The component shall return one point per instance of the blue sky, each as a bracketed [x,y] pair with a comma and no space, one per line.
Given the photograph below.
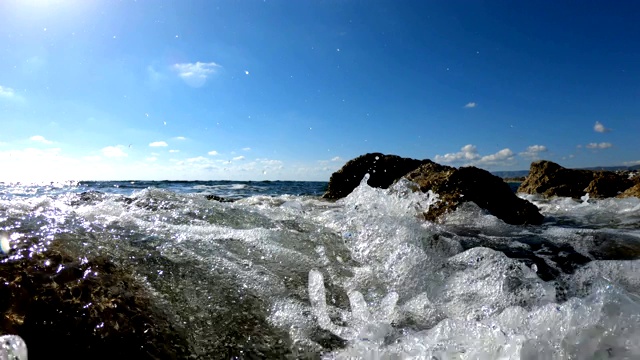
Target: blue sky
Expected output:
[290,90]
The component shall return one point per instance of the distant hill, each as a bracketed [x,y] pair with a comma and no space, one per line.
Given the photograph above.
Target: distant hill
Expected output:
[520,173]
[511,174]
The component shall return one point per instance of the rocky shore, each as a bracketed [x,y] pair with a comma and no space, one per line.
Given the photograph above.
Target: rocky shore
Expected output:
[65,301]
[550,179]
[456,186]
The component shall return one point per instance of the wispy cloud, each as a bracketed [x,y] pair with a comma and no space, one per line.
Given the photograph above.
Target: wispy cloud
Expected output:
[337,158]
[599,127]
[533,151]
[114,151]
[213,153]
[180,138]
[238,158]
[196,74]
[199,159]
[270,162]
[632,163]
[470,105]
[246,149]
[9,94]
[40,139]
[174,151]
[154,75]
[602,145]
[468,155]
[158,144]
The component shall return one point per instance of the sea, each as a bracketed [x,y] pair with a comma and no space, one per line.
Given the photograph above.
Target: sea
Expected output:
[271,270]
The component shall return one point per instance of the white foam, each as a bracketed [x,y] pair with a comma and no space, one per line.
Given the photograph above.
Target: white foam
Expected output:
[606,324]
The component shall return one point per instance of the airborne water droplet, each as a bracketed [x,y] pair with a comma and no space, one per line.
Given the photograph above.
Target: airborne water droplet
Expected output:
[5,245]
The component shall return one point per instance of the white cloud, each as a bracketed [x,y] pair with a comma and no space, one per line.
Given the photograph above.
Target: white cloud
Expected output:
[470,105]
[246,149]
[152,158]
[598,127]
[602,145]
[632,163]
[114,151]
[238,158]
[199,159]
[9,94]
[40,139]
[154,75]
[180,138]
[195,74]
[502,157]
[6,92]
[158,144]
[337,158]
[174,151]
[270,162]
[533,151]
[468,155]
[213,153]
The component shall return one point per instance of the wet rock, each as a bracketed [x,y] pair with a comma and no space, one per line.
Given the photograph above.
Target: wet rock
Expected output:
[218,198]
[457,186]
[88,198]
[550,179]
[382,169]
[630,192]
[83,309]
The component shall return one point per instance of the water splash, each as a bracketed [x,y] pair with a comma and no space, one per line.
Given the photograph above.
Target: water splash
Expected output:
[368,325]
[12,347]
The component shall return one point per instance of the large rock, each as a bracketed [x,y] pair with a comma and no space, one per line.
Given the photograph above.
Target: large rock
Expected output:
[456,186]
[550,179]
[630,192]
[84,309]
[382,169]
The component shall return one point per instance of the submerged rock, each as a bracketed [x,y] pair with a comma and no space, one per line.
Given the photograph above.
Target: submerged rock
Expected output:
[83,309]
[382,169]
[457,186]
[550,179]
[218,198]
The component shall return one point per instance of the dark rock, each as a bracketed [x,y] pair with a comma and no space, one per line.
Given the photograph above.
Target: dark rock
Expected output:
[607,184]
[550,179]
[87,198]
[382,169]
[456,186]
[217,198]
[89,309]
[630,192]
[634,190]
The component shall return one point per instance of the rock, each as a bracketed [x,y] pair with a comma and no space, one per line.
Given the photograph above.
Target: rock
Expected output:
[550,179]
[382,169]
[218,198]
[456,186]
[84,309]
[630,192]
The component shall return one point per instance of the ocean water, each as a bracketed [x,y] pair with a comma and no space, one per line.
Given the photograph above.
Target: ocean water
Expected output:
[281,273]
